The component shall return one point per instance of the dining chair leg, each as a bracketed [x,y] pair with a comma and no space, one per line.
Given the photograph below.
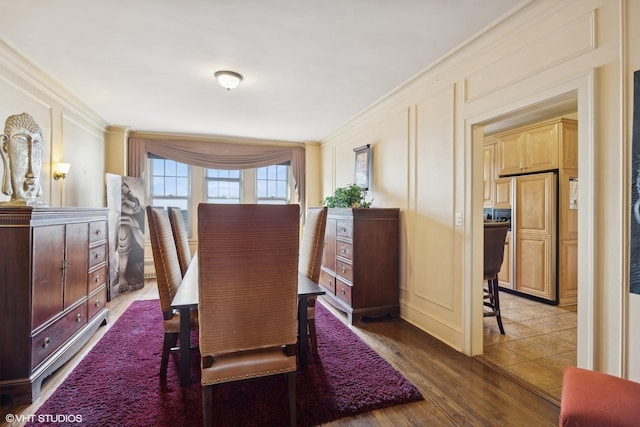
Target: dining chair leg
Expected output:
[207,405]
[170,341]
[291,383]
[495,297]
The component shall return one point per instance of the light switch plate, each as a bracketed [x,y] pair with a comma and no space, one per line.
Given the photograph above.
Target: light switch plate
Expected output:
[458,219]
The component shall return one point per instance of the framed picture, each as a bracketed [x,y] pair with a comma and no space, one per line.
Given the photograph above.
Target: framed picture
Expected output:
[363,166]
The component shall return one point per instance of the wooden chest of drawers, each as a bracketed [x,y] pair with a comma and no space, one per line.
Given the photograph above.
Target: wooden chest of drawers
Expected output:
[53,277]
[360,261]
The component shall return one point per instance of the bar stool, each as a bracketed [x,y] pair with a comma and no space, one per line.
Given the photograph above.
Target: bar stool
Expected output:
[495,234]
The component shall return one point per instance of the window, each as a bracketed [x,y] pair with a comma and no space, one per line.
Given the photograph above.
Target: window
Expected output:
[222,186]
[169,184]
[272,184]
[177,184]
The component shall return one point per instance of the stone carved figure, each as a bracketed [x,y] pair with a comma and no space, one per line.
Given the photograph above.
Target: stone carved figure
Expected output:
[22,151]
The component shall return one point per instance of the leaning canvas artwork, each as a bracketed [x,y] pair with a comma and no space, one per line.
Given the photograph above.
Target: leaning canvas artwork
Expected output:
[125,199]
[634,262]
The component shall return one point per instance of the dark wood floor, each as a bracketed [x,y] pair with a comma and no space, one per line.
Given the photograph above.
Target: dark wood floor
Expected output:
[458,390]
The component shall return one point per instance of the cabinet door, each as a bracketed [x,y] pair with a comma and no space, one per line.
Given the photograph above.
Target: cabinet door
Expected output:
[489,173]
[502,193]
[504,276]
[47,272]
[541,148]
[329,250]
[510,154]
[535,236]
[77,256]
[568,286]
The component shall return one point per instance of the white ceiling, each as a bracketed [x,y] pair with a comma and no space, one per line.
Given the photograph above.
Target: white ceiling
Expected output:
[308,66]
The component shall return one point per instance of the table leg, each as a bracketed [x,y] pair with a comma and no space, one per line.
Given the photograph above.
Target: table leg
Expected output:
[302,330]
[185,345]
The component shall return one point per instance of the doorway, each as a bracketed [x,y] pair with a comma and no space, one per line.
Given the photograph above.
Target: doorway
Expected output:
[575,348]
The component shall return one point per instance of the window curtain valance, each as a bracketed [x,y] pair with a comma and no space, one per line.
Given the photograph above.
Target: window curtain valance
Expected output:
[218,155]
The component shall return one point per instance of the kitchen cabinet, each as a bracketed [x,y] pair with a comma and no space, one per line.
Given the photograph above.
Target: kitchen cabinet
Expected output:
[53,277]
[502,193]
[568,238]
[541,147]
[360,262]
[504,276]
[489,154]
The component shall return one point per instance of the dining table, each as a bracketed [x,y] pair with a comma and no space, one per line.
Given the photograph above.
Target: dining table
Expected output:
[186,299]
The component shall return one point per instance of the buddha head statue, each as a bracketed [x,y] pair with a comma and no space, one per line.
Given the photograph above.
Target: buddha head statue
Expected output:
[22,151]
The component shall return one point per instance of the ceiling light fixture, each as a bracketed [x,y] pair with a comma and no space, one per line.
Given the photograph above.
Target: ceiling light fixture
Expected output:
[228,79]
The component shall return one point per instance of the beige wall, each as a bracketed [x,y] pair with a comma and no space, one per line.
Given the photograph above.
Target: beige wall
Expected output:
[71,132]
[426,140]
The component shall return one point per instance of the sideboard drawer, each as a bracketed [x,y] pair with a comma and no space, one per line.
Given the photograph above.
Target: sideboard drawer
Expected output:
[97,231]
[328,281]
[343,290]
[344,249]
[97,255]
[96,302]
[344,229]
[48,340]
[97,278]
[344,270]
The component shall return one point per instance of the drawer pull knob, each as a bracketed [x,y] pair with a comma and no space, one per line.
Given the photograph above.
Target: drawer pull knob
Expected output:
[97,303]
[344,230]
[342,291]
[46,342]
[97,278]
[344,250]
[344,270]
[79,317]
[99,231]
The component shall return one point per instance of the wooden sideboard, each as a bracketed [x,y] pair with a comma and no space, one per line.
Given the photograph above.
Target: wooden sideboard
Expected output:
[360,262]
[53,291]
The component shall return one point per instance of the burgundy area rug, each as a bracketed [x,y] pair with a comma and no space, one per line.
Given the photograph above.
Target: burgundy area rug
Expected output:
[118,383]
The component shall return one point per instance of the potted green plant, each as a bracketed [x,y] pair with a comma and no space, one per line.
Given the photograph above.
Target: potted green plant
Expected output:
[350,196]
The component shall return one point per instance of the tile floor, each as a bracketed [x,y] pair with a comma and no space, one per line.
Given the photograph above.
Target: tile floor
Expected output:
[539,342]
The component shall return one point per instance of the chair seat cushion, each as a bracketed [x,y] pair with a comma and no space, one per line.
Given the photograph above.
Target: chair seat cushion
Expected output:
[591,398]
[173,325]
[248,364]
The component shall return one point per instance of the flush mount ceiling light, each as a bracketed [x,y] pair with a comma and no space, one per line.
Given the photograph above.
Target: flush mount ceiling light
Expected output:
[228,79]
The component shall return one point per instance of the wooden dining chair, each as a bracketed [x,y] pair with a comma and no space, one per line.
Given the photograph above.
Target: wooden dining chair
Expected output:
[168,278]
[248,293]
[181,238]
[311,248]
[494,239]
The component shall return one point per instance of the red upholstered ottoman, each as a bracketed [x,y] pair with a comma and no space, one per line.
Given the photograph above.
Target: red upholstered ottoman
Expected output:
[592,398]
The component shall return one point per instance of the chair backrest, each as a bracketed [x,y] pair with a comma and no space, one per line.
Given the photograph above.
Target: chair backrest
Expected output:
[165,256]
[248,276]
[181,238]
[494,238]
[312,242]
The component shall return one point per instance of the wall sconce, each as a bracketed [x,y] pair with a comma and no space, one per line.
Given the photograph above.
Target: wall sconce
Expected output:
[228,79]
[62,171]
